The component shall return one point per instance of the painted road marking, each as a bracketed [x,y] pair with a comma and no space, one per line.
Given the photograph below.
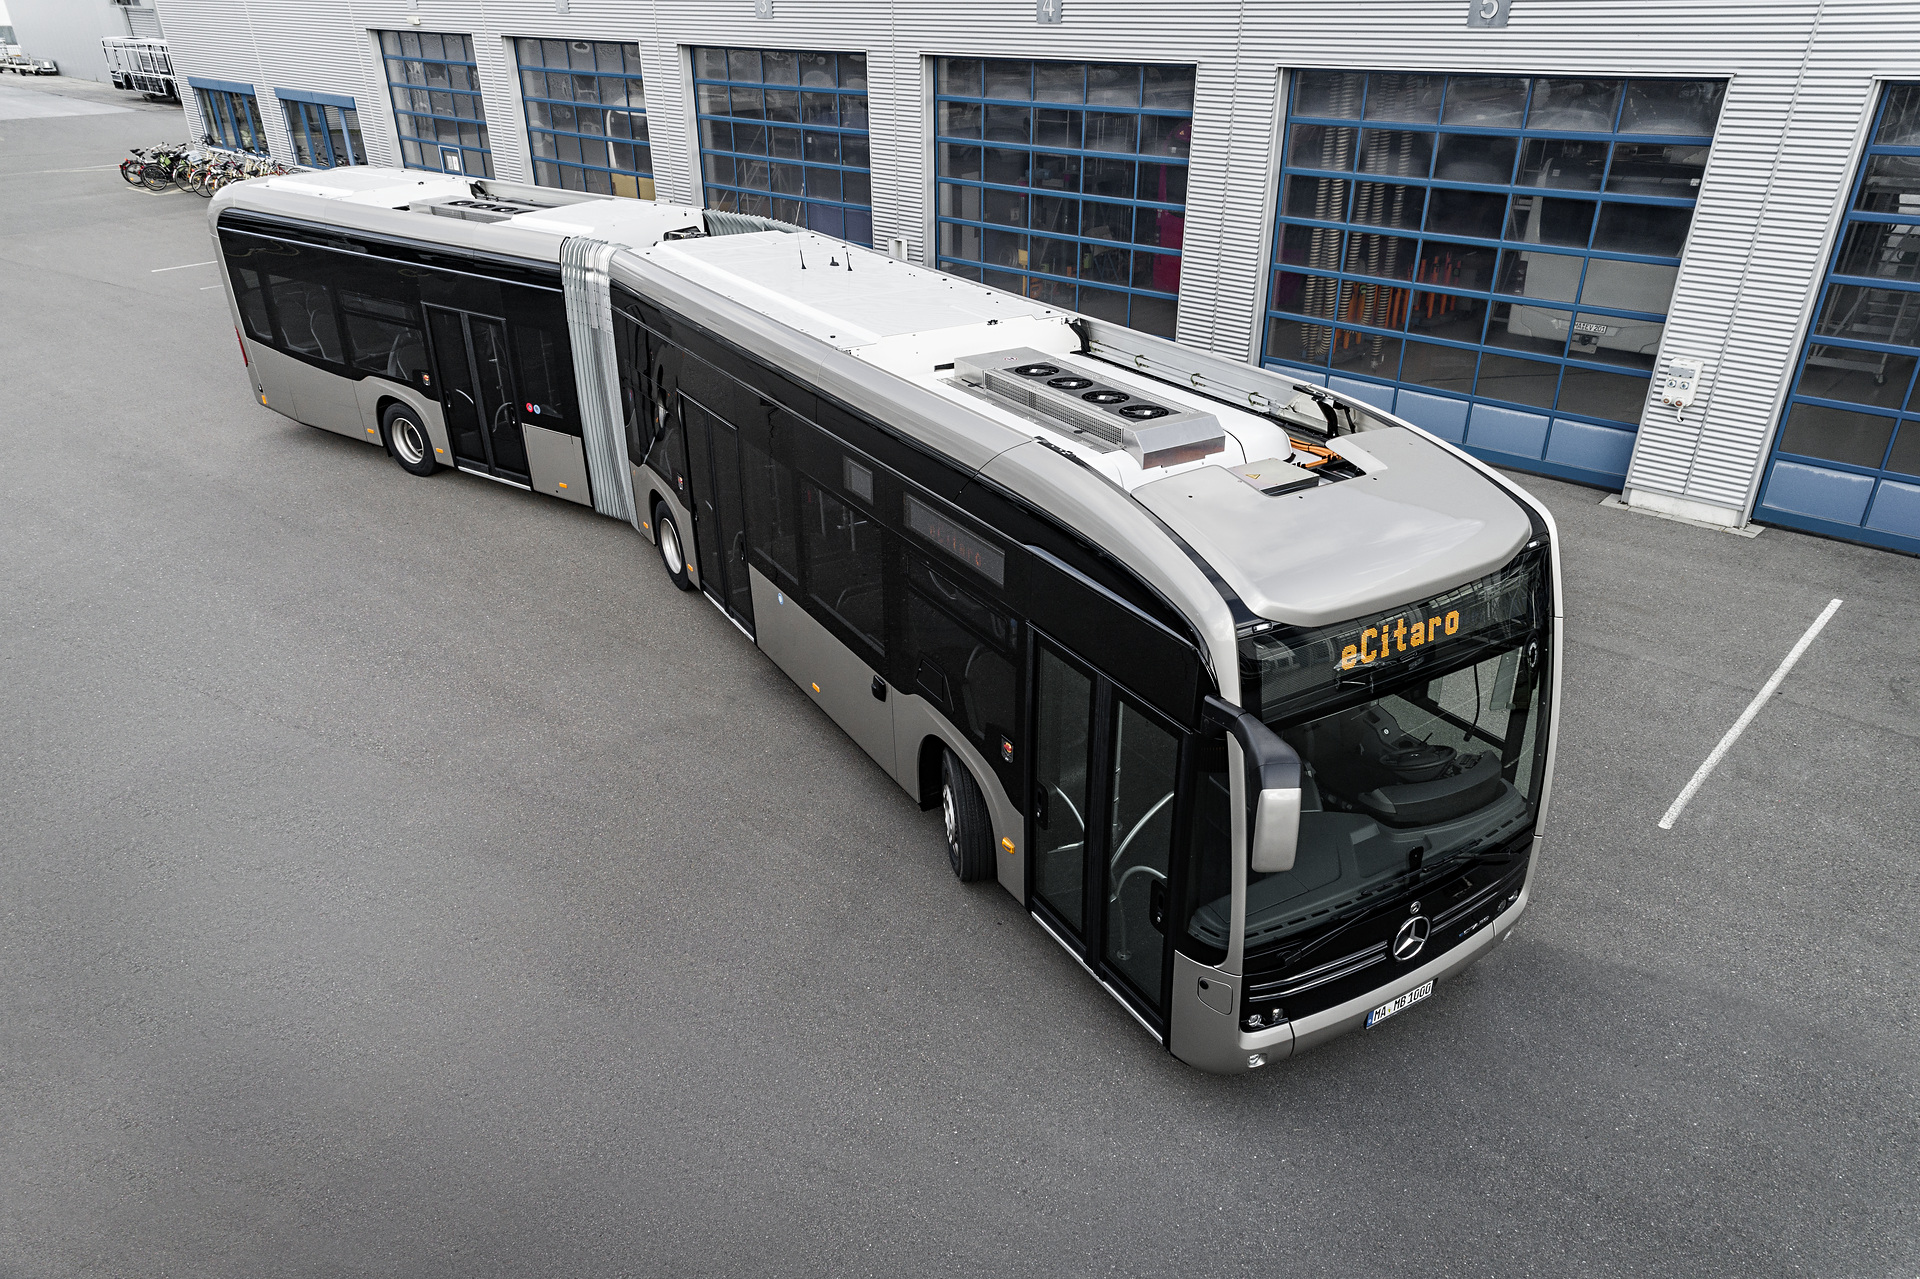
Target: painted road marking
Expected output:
[1767,690]
[183,266]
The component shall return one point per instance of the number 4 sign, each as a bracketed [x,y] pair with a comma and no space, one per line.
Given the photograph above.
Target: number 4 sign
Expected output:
[1048,10]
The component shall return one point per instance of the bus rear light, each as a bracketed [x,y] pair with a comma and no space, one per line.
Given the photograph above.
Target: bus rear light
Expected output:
[243,349]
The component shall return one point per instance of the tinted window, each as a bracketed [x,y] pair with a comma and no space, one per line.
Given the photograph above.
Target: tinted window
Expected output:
[543,362]
[772,504]
[383,335]
[305,311]
[248,259]
[630,341]
[844,559]
[959,648]
[253,303]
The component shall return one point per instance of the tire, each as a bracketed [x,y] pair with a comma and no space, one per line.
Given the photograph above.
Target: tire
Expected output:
[407,440]
[132,171]
[155,177]
[964,812]
[673,552]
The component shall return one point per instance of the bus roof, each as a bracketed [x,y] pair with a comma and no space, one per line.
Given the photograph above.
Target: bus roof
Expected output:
[1201,495]
[1412,516]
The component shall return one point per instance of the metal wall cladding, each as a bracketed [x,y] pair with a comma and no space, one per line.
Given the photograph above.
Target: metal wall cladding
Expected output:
[1801,76]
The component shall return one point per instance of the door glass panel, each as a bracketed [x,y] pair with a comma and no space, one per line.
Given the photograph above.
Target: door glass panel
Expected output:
[1139,841]
[733,530]
[458,397]
[495,395]
[1063,717]
[706,518]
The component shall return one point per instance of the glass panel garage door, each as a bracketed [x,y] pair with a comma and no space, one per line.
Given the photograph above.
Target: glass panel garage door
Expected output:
[783,134]
[1490,257]
[1066,182]
[586,116]
[436,102]
[1847,459]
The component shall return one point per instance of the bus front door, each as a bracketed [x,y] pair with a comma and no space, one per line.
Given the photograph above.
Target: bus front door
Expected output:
[476,393]
[720,531]
[1101,827]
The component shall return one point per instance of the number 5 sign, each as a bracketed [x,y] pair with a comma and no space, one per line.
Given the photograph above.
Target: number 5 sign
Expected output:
[1487,13]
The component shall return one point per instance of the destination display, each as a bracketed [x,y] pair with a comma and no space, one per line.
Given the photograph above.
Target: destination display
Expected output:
[1287,666]
[975,552]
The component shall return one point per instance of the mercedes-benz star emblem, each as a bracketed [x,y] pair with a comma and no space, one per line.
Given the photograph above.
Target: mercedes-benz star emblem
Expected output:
[1411,938]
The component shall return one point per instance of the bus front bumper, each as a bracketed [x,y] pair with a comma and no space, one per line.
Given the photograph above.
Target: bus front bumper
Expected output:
[1215,1042]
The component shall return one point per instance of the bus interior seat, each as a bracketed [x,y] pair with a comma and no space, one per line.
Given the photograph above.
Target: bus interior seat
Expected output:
[407,358]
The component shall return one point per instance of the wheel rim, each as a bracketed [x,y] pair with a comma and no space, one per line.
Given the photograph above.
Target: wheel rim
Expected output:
[407,441]
[670,547]
[947,814]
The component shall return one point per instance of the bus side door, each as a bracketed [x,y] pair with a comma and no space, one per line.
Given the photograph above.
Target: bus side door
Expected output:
[1101,825]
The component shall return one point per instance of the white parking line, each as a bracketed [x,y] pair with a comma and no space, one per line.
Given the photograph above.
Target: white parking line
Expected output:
[1767,690]
[34,173]
[183,266]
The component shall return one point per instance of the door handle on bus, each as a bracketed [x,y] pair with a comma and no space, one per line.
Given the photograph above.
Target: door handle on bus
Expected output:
[463,395]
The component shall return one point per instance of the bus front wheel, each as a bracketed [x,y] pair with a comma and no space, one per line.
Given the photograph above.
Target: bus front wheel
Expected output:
[673,555]
[964,812]
[407,440]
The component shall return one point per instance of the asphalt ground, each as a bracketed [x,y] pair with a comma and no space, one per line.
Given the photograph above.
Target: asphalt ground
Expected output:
[401,878]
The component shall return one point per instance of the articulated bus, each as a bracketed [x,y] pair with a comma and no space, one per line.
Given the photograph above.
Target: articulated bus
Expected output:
[1243,688]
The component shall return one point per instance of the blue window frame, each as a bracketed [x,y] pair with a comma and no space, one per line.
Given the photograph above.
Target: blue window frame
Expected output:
[783,134]
[1066,182]
[586,116]
[324,127]
[1491,257]
[232,114]
[436,102]
[1846,460]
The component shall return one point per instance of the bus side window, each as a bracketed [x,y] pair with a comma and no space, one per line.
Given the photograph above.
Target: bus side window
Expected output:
[303,303]
[967,672]
[382,322]
[1209,877]
[772,505]
[631,347]
[845,561]
[543,360]
[668,453]
[244,257]
[253,303]
[384,337]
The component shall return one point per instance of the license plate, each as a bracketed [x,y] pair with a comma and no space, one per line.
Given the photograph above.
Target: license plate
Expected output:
[1405,1001]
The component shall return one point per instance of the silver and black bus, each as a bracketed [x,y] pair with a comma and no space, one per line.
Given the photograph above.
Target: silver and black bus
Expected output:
[1243,688]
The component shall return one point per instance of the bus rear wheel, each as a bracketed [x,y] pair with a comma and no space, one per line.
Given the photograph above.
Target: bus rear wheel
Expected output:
[673,554]
[964,812]
[407,440]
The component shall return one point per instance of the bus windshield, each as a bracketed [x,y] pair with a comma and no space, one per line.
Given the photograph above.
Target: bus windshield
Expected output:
[1421,734]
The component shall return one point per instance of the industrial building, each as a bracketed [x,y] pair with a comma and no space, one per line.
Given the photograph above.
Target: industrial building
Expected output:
[1660,248]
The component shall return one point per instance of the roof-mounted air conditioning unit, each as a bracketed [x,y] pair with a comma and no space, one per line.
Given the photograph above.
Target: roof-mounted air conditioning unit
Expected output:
[1084,404]
[472,210]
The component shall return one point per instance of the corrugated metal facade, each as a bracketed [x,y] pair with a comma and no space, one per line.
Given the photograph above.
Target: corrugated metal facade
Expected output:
[1801,75]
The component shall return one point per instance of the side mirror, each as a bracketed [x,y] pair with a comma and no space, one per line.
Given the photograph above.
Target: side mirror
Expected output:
[1273,787]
